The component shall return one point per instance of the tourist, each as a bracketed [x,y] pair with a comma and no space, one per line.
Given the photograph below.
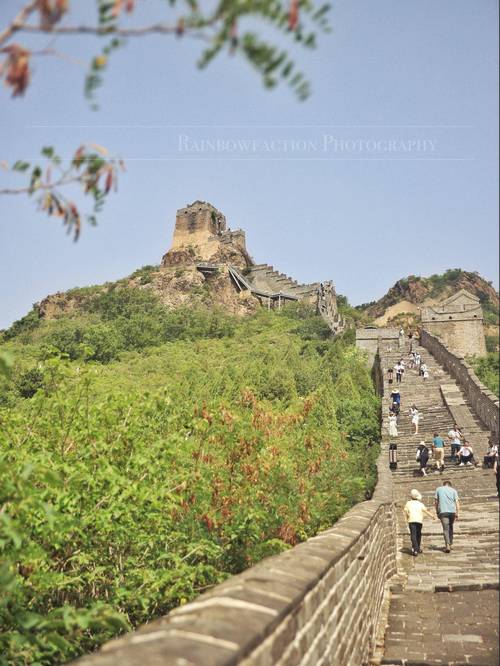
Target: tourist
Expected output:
[411,363]
[491,455]
[393,425]
[496,469]
[438,451]
[422,456]
[390,373]
[399,368]
[455,437]
[415,418]
[447,505]
[396,396]
[423,368]
[414,511]
[395,408]
[425,372]
[401,335]
[418,360]
[466,454]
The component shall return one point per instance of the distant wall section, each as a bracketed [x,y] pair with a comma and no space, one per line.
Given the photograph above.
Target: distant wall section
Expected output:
[458,323]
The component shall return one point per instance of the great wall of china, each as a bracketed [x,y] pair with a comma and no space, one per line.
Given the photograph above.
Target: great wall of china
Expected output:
[353,595]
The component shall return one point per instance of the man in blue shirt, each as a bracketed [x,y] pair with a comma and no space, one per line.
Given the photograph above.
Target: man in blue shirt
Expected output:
[447,504]
[438,451]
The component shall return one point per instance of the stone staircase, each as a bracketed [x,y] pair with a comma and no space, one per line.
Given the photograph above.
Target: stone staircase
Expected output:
[443,606]
[264,278]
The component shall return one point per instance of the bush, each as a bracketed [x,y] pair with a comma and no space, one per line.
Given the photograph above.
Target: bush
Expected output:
[135,485]
[25,325]
[491,343]
[487,369]
[28,382]
[102,343]
[145,274]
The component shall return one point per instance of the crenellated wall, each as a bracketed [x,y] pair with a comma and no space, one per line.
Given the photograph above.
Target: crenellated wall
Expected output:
[483,401]
[317,604]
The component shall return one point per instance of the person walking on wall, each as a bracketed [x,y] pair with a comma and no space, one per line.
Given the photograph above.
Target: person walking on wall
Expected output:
[455,437]
[393,425]
[446,503]
[390,373]
[414,511]
[496,469]
[415,418]
[422,456]
[438,451]
[399,369]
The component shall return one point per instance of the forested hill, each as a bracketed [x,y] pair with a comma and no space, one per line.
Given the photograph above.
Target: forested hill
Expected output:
[402,300]
[148,453]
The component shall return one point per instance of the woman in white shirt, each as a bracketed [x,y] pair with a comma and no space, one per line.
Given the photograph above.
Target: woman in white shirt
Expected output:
[414,511]
[415,418]
[393,425]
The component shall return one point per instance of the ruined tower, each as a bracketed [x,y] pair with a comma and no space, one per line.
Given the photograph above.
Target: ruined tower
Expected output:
[202,241]
[201,233]
[458,322]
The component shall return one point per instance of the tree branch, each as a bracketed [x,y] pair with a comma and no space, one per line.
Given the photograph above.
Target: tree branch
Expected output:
[41,186]
[18,22]
[155,28]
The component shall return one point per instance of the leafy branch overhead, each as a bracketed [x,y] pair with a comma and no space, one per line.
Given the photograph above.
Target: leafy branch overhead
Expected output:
[224,27]
[221,28]
[90,170]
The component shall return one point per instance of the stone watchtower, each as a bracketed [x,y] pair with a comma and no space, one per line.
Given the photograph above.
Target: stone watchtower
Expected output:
[458,322]
[200,231]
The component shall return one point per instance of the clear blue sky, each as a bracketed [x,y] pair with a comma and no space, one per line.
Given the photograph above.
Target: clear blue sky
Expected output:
[391,71]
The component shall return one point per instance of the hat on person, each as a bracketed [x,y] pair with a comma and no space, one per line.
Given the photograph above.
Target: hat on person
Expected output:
[422,443]
[415,494]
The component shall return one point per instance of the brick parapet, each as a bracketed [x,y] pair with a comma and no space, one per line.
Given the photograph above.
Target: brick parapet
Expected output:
[483,401]
[316,604]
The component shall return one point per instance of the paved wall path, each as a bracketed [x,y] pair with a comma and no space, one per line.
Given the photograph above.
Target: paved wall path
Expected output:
[443,606]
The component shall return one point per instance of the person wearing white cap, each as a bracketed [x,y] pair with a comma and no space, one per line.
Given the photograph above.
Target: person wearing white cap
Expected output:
[414,511]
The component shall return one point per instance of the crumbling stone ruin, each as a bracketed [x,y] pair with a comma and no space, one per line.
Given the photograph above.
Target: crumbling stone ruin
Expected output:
[458,323]
[201,237]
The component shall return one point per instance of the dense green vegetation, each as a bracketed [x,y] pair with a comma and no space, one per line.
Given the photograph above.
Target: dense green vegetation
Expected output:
[147,455]
[487,369]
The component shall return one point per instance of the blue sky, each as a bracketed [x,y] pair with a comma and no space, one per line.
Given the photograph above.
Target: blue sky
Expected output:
[390,167]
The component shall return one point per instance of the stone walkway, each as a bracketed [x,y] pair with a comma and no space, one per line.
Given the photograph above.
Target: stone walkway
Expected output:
[444,609]
[443,628]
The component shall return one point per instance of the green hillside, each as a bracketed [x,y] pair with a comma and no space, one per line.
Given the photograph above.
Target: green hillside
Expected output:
[147,454]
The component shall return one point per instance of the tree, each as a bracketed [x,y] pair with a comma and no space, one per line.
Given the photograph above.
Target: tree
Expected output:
[222,26]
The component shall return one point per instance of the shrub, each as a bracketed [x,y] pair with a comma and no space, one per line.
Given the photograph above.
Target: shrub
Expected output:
[487,369]
[28,382]
[26,324]
[491,343]
[102,343]
[133,486]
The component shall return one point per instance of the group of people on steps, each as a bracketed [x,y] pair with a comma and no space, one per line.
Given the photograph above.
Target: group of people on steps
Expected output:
[446,500]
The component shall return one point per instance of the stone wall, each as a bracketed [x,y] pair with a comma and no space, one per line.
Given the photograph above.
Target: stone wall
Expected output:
[317,604]
[483,402]
[375,340]
[464,337]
